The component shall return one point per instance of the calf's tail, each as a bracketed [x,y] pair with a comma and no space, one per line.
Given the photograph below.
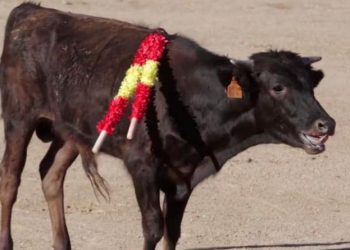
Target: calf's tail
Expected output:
[98,183]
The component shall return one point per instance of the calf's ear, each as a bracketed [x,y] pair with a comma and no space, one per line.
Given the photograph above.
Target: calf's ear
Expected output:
[233,70]
[225,74]
[317,76]
[236,78]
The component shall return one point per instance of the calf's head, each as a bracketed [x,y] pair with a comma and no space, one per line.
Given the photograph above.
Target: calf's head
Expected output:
[285,105]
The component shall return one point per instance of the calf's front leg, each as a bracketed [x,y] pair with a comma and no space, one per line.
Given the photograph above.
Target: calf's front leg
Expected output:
[147,194]
[173,210]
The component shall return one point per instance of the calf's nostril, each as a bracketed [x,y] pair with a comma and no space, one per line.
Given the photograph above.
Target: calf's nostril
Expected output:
[322,126]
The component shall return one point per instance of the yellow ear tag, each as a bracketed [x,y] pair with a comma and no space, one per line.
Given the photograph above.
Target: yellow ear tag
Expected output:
[234,90]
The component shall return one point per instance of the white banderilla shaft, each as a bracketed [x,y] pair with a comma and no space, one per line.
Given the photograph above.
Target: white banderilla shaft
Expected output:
[99,142]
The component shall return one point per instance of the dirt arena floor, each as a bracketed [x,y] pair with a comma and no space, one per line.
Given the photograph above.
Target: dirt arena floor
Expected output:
[269,197]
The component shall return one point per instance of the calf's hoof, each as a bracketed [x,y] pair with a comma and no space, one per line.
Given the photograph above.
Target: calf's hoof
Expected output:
[6,244]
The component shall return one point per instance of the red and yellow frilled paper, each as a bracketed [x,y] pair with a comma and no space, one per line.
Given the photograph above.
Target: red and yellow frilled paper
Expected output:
[139,78]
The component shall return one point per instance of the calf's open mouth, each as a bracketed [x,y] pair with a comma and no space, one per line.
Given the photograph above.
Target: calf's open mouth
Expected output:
[313,143]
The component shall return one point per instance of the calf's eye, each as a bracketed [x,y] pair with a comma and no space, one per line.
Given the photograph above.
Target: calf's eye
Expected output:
[278,91]
[278,88]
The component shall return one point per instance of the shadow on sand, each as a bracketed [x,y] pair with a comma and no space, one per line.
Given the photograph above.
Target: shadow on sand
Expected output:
[300,245]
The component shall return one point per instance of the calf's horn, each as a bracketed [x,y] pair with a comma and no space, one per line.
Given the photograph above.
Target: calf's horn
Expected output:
[311,59]
[247,63]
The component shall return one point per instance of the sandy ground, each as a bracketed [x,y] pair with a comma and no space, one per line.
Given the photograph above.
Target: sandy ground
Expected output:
[269,197]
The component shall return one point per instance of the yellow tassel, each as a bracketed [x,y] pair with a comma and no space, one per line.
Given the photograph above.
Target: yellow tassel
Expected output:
[129,82]
[149,73]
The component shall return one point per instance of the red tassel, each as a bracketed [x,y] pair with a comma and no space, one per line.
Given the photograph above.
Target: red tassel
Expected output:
[140,103]
[114,114]
[151,48]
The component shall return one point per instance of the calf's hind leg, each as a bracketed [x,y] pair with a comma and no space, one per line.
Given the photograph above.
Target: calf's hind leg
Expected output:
[53,170]
[17,136]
